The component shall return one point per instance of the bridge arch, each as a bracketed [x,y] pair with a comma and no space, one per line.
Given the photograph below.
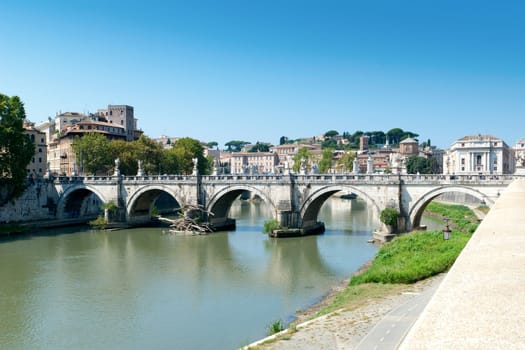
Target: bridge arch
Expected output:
[220,203]
[417,209]
[140,203]
[312,205]
[74,202]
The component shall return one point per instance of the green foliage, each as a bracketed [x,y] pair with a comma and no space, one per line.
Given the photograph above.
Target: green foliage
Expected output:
[303,154]
[461,217]
[127,153]
[270,225]
[329,143]
[422,165]
[154,211]
[16,148]
[212,144]
[376,137]
[92,153]
[179,159]
[346,162]
[7,229]
[152,155]
[110,206]
[99,223]
[397,135]
[389,216]
[235,145]
[331,133]
[413,257]
[326,160]
[275,327]
[260,147]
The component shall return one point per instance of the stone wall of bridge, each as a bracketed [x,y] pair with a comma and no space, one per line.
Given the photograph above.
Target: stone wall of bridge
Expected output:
[295,200]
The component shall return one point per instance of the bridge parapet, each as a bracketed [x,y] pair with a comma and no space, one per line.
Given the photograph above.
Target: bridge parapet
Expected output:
[458,179]
[85,179]
[159,179]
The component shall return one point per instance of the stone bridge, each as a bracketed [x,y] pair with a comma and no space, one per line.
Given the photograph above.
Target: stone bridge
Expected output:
[295,200]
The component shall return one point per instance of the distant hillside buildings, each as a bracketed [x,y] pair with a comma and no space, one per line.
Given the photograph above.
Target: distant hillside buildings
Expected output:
[469,155]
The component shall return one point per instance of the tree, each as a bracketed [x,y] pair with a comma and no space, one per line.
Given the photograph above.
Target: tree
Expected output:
[331,133]
[151,154]
[421,165]
[394,135]
[329,143]
[326,160]
[92,153]
[346,162]
[181,156]
[16,148]
[302,155]
[283,140]
[212,144]
[127,153]
[260,147]
[236,145]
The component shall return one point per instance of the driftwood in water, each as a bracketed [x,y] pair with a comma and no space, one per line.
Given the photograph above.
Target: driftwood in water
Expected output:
[189,221]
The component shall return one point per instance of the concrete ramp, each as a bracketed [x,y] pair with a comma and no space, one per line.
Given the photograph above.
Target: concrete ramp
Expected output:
[481,302]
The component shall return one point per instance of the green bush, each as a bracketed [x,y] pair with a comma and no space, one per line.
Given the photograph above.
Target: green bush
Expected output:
[271,225]
[275,327]
[99,223]
[389,216]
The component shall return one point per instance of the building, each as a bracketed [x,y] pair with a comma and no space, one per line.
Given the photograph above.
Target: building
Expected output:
[380,160]
[166,141]
[478,154]
[409,147]
[122,115]
[37,167]
[117,122]
[252,162]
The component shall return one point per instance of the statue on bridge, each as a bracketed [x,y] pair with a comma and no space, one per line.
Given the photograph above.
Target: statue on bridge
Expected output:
[140,172]
[117,167]
[195,164]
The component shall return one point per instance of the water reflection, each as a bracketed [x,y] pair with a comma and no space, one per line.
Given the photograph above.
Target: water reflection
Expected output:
[135,289]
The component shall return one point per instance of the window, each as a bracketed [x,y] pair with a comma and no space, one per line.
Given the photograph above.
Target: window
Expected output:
[42,140]
[40,150]
[40,160]
[462,145]
[462,161]
[478,159]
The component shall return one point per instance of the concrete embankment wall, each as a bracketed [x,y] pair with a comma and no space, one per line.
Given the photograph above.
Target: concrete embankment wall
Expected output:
[34,204]
[481,304]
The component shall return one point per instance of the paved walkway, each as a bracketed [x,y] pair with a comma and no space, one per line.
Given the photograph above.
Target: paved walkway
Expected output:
[481,302]
[344,330]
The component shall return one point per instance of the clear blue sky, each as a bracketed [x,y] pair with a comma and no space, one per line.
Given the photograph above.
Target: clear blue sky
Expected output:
[256,70]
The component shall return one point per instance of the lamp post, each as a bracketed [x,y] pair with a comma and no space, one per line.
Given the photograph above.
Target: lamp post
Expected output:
[446,230]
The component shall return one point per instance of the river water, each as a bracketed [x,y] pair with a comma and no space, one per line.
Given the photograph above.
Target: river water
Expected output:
[142,289]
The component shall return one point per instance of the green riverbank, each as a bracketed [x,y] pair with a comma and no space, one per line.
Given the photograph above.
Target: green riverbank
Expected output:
[407,259]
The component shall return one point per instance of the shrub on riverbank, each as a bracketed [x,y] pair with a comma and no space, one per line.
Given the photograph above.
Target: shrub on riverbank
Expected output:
[413,257]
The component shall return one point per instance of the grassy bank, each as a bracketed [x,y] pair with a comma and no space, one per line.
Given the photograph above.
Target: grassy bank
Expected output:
[407,259]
